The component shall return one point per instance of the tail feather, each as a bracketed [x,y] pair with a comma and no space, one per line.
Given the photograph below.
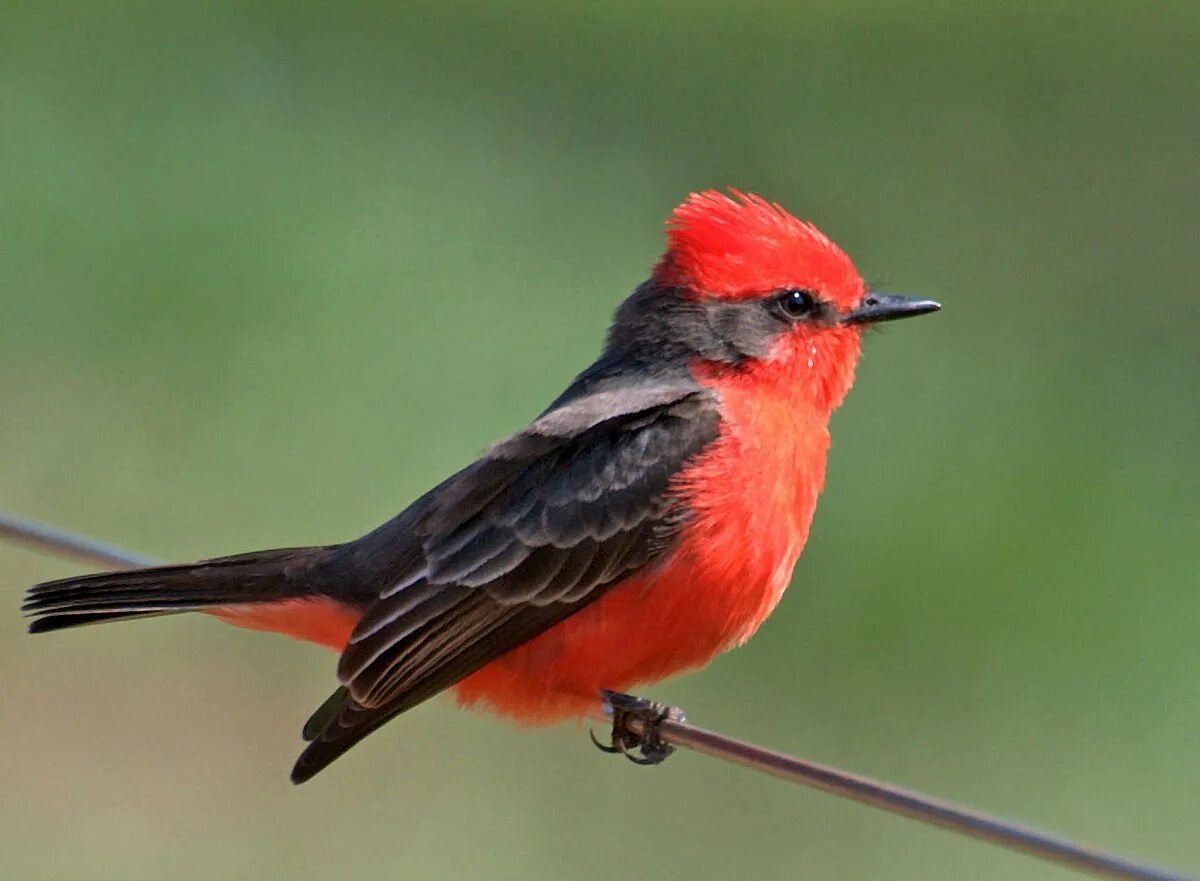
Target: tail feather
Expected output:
[45,625]
[262,576]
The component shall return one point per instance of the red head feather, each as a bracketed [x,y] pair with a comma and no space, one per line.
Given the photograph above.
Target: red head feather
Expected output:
[746,246]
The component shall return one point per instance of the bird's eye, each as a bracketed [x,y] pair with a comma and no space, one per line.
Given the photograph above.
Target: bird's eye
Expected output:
[796,304]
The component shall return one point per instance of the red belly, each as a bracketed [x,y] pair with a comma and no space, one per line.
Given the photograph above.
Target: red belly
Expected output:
[719,584]
[648,628]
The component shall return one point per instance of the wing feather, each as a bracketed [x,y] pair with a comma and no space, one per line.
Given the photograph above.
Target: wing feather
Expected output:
[544,524]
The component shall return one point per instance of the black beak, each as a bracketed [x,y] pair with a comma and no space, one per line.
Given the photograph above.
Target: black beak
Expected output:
[888,307]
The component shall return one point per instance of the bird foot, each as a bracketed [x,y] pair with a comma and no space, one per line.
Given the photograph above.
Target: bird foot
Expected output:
[635,724]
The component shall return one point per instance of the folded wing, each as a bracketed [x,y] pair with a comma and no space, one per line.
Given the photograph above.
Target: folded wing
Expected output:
[542,525]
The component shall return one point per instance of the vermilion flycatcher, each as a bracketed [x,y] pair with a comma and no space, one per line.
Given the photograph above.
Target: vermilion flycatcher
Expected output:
[648,520]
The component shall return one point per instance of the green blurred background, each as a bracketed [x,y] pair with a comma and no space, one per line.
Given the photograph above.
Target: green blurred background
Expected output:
[268,270]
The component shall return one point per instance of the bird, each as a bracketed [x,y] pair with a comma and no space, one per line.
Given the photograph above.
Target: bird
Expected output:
[645,522]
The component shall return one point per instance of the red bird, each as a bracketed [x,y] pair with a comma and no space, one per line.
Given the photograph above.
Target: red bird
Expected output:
[648,520]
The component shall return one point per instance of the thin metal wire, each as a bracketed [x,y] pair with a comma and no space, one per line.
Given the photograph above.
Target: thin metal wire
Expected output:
[864,790]
[66,544]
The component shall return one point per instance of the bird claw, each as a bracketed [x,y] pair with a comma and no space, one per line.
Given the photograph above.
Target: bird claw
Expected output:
[646,747]
[603,747]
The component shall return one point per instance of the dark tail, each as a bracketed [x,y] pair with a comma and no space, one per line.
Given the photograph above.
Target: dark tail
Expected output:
[258,577]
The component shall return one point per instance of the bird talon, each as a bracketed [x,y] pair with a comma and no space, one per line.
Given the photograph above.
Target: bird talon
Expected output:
[604,748]
[644,760]
[643,745]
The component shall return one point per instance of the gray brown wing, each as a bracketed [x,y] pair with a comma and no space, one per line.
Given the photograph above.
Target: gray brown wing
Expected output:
[541,526]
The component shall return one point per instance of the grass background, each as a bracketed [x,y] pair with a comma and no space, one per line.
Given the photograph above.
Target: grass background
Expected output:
[268,270]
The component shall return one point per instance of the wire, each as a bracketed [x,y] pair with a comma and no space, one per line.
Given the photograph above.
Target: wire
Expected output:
[884,796]
[65,544]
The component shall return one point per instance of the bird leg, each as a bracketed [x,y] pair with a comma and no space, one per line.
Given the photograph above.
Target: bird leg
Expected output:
[635,723]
